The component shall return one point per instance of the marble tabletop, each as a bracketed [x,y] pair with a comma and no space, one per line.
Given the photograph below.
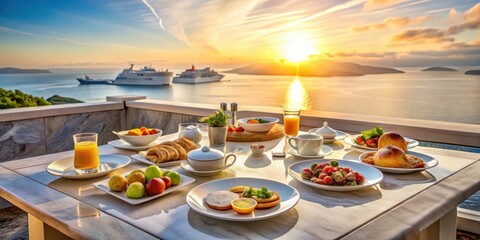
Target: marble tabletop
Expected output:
[318,214]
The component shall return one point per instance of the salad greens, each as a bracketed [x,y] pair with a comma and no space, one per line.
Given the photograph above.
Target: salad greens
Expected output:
[372,133]
[262,121]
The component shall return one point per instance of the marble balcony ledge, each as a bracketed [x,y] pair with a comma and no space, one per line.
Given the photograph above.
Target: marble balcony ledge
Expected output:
[14,114]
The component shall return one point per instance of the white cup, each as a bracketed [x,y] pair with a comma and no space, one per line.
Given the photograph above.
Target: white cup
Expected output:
[307,144]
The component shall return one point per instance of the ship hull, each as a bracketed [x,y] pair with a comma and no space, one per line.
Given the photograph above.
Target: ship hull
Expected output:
[83,81]
[153,81]
[195,80]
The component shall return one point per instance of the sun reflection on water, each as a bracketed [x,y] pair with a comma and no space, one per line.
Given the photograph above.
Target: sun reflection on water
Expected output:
[297,96]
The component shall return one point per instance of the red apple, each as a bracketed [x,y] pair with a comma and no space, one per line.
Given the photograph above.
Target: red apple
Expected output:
[155,186]
[168,182]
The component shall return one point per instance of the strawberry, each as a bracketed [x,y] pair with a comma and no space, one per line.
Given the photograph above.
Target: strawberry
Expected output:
[239,129]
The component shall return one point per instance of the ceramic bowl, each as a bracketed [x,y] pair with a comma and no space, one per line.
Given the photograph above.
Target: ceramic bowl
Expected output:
[259,127]
[138,140]
[257,149]
[207,159]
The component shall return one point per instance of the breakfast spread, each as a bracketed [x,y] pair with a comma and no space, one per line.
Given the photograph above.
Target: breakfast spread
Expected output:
[170,150]
[141,131]
[243,199]
[332,174]
[141,183]
[392,157]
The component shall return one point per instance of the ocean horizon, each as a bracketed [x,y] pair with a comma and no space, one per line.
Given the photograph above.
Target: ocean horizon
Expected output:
[439,96]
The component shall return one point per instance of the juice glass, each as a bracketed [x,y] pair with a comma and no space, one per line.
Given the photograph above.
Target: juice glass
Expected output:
[291,122]
[86,159]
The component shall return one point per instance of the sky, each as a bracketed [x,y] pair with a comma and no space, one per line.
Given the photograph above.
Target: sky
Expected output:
[229,33]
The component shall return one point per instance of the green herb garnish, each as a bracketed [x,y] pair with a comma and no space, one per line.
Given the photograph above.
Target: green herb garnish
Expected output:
[372,133]
[248,192]
[264,193]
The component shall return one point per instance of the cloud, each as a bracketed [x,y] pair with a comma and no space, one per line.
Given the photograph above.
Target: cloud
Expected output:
[433,35]
[463,45]
[415,36]
[390,22]
[371,4]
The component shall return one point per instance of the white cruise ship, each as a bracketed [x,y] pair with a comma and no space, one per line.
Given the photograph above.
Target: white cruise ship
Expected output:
[198,76]
[146,76]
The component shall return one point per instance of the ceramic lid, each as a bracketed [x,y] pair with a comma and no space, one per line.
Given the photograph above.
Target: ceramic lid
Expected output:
[326,130]
[205,154]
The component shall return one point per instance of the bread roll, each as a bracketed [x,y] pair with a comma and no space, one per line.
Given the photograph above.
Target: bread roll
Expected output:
[394,139]
[390,156]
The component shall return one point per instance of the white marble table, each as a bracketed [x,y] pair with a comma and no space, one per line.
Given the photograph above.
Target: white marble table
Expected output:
[401,206]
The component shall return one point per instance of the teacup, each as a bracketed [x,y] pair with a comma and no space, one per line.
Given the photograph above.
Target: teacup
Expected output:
[208,159]
[307,144]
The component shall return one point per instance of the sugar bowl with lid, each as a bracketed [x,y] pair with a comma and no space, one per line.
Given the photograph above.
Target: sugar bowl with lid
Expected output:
[208,159]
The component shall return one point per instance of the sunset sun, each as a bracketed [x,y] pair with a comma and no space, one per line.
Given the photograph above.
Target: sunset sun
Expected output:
[297,47]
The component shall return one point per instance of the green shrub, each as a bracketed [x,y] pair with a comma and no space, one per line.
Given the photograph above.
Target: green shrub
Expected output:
[17,98]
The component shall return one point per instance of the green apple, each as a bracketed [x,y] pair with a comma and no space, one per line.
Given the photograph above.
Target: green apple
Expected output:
[135,190]
[175,177]
[152,171]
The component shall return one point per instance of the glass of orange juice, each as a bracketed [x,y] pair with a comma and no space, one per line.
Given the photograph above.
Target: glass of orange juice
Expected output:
[291,121]
[86,159]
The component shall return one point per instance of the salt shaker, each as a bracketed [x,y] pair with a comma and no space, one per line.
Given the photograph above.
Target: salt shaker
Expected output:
[233,109]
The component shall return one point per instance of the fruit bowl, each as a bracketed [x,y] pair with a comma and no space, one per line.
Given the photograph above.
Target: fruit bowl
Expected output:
[258,127]
[138,140]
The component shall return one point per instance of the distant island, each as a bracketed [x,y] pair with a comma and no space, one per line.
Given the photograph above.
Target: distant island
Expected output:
[10,70]
[317,68]
[472,72]
[439,69]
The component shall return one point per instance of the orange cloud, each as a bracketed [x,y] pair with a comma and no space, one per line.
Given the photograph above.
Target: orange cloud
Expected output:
[416,36]
[390,22]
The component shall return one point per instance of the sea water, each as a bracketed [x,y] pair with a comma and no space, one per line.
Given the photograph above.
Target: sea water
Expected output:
[441,96]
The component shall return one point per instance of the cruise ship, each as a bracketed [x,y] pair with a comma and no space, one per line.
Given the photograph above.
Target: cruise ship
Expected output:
[193,76]
[146,76]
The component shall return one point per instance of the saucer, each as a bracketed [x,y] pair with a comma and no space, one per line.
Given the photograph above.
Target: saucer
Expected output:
[188,168]
[326,150]
[340,135]
[108,162]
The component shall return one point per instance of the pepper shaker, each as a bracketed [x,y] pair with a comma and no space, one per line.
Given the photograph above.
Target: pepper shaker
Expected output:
[234,108]
[223,106]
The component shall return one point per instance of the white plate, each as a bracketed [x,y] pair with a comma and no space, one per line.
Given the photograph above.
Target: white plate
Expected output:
[325,151]
[108,162]
[340,135]
[372,175]
[142,159]
[429,162]
[187,167]
[119,143]
[103,185]
[350,140]
[289,197]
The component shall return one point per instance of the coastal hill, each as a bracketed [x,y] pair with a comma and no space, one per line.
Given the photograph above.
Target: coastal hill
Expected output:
[317,68]
[439,69]
[10,70]
[472,72]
